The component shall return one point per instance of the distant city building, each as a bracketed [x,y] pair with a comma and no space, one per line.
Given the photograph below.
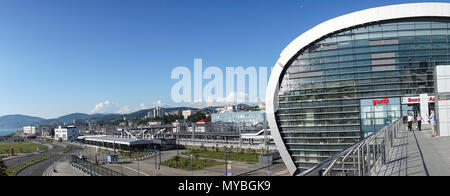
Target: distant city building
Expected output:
[158,112]
[30,130]
[155,122]
[175,113]
[230,108]
[149,114]
[66,133]
[187,113]
[249,118]
[202,126]
[77,122]
[178,128]
[46,131]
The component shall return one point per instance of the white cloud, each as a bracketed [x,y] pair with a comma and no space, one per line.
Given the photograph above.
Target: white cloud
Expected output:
[144,107]
[107,107]
[102,107]
[159,103]
[124,110]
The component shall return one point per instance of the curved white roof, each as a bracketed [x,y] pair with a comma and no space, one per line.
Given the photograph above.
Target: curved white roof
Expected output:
[401,11]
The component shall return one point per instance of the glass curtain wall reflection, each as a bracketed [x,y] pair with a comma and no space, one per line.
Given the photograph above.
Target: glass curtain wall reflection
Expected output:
[328,87]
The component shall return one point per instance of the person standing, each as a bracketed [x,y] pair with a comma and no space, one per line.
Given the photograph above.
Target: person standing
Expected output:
[419,122]
[410,122]
[432,118]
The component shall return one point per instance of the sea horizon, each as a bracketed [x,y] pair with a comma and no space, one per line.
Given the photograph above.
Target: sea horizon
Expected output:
[4,132]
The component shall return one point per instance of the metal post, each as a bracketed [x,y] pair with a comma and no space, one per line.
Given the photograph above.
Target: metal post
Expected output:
[361,156]
[368,158]
[354,164]
[226,162]
[178,131]
[192,173]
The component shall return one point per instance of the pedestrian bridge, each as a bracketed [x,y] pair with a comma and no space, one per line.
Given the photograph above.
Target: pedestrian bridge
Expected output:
[392,151]
[417,154]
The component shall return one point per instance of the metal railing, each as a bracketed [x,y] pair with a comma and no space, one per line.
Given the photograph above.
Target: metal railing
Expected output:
[362,158]
[92,168]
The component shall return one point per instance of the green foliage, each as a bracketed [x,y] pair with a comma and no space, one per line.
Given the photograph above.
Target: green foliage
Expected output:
[126,155]
[215,153]
[12,171]
[21,147]
[185,163]
[197,116]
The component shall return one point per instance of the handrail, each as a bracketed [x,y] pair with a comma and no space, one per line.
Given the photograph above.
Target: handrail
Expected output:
[366,154]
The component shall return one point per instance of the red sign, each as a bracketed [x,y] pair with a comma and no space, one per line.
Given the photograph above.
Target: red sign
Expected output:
[413,100]
[383,101]
[432,99]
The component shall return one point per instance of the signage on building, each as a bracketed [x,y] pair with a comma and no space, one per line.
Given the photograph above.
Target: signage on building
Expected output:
[416,100]
[382,101]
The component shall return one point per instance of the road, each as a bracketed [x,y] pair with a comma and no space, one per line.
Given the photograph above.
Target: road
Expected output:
[38,169]
[15,161]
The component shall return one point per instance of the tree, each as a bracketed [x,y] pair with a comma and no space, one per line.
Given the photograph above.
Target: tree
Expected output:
[196,117]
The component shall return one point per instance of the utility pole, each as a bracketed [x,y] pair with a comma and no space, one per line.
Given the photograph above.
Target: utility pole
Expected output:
[192,173]
[178,131]
[156,167]
[240,136]
[226,162]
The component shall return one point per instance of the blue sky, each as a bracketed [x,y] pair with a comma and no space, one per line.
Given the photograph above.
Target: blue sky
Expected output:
[63,56]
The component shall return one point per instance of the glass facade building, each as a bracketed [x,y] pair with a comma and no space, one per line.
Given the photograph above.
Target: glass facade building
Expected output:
[247,117]
[340,88]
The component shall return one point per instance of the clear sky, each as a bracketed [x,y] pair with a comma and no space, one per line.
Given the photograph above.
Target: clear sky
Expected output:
[63,56]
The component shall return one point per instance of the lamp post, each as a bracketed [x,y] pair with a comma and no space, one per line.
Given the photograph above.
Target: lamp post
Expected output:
[192,173]
[226,162]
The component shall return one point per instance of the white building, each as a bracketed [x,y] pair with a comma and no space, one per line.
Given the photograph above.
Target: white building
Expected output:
[66,133]
[187,113]
[30,130]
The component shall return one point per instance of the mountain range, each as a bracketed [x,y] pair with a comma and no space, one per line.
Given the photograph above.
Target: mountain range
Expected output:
[18,121]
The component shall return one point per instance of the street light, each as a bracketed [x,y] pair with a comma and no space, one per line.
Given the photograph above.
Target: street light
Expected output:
[192,173]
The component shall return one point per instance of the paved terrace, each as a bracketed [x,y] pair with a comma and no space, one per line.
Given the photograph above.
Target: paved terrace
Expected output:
[417,154]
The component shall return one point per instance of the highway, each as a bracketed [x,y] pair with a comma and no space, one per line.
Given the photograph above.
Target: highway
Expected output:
[39,168]
[15,161]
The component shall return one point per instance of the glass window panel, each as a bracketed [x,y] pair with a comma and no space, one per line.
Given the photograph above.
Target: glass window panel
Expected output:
[390,27]
[406,33]
[405,27]
[361,43]
[375,35]
[390,34]
[438,25]
[439,32]
[426,25]
[361,36]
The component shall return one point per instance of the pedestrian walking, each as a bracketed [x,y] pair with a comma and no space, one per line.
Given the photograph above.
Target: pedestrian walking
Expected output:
[419,122]
[432,121]
[410,122]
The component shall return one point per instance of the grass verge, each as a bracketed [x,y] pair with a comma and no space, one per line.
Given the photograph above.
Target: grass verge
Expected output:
[184,163]
[12,171]
[233,156]
[21,147]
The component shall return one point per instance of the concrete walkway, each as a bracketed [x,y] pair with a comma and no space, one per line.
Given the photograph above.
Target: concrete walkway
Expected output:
[63,169]
[417,154]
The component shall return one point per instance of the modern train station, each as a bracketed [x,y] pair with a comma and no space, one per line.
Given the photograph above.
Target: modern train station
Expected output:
[350,76]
